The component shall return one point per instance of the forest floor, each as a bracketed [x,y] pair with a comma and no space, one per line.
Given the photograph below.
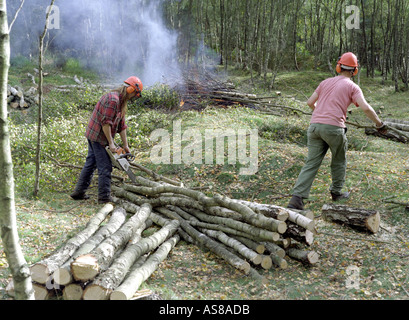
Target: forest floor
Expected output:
[377,169]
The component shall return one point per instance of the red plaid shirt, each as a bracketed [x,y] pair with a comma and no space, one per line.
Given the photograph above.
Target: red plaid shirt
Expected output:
[107,111]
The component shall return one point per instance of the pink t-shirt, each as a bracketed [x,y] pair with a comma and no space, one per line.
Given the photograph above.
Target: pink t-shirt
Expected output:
[334,97]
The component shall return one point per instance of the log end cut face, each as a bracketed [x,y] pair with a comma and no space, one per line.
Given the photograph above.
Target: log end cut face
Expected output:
[39,273]
[373,222]
[85,268]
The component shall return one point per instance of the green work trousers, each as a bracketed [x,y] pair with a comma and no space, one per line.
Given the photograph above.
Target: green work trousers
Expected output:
[322,137]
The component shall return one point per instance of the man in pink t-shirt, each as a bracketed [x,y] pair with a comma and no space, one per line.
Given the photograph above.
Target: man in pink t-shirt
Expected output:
[327,130]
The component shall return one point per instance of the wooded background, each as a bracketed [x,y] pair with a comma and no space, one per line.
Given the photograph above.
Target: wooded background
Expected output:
[271,35]
[265,36]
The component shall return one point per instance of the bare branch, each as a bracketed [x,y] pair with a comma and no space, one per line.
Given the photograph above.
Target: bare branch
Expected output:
[16,14]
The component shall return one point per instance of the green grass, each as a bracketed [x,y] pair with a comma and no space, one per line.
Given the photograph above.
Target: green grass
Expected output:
[377,169]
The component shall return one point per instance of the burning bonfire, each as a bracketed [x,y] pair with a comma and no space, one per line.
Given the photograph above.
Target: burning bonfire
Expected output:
[197,88]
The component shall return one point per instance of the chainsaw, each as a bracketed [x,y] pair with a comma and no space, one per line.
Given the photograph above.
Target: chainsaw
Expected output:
[121,160]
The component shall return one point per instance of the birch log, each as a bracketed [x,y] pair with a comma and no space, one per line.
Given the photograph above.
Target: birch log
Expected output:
[41,271]
[87,267]
[133,281]
[246,252]
[73,291]
[214,246]
[304,256]
[368,220]
[246,228]
[62,275]
[110,279]
[248,214]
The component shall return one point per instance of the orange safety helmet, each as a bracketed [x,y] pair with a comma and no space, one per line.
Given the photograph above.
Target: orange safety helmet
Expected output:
[135,84]
[348,61]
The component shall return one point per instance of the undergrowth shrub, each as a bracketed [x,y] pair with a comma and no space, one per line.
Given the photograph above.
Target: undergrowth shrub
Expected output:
[159,96]
[63,142]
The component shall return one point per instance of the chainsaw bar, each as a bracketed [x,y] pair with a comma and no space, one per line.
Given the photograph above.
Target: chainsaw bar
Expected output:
[120,161]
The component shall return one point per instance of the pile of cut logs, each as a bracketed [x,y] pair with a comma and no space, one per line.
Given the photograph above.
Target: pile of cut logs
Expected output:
[110,258]
[17,98]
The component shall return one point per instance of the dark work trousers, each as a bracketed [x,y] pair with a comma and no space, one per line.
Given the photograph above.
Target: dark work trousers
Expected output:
[97,158]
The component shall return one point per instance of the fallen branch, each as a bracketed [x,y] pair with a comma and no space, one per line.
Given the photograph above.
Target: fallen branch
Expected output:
[392,133]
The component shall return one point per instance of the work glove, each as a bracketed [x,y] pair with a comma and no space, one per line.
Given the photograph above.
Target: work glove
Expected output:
[383,129]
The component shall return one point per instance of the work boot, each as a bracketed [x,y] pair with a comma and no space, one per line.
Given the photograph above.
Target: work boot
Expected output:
[76,195]
[296,202]
[339,197]
[105,200]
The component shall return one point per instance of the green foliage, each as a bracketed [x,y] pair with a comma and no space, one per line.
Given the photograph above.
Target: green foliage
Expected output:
[283,132]
[72,66]
[62,142]
[20,61]
[159,96]
[141,122]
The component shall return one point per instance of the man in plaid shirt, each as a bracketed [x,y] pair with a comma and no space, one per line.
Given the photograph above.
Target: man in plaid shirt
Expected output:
[107,119]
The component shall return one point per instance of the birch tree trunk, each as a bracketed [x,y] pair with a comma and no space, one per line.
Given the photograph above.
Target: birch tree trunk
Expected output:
[19,268]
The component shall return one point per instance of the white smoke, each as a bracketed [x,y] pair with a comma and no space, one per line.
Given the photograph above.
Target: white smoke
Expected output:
[119,38]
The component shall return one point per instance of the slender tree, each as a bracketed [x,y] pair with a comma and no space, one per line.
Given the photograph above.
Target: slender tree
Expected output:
[18,266]
[40,103]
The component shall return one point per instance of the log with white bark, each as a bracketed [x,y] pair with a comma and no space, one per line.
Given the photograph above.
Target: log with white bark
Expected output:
[203,241]
[182,202]
[245,228]
[248,214]
[108,280]
[63,275]
[363,219]
[274,249]
[278,261]
[299,234]
[218,215]
[268,210]
[87,267]
[133,281]
[190,204]
[73,291]
[41,271]
[297,228]
[41,292]
[402,125]
[283,242]
[301,220]
[246,252]
[277,254]
[17,98]
[305,256]
[256,246]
